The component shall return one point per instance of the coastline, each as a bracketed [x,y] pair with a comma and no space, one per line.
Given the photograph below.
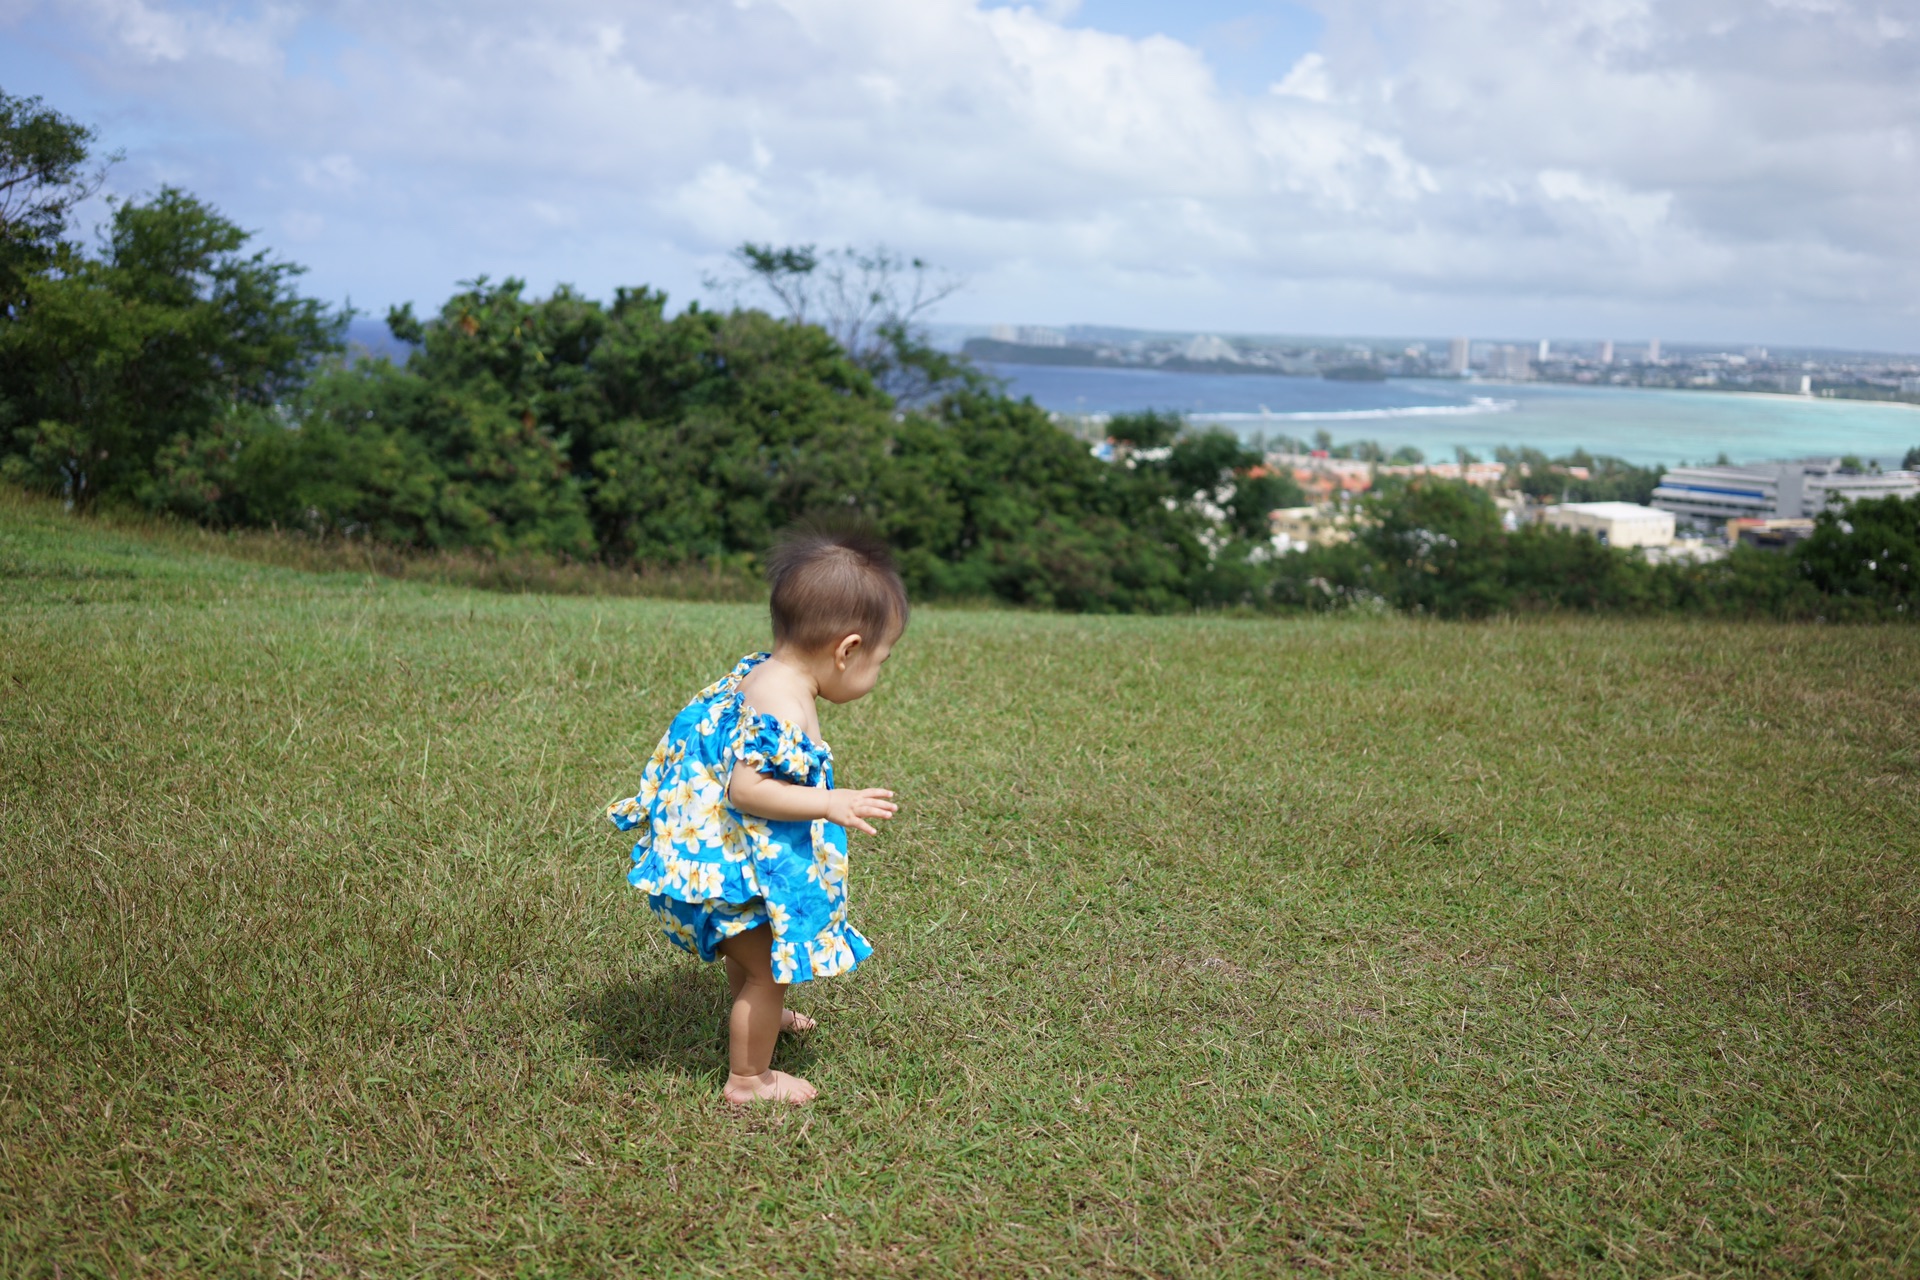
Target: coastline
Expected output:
[1643,425]
[1767,393]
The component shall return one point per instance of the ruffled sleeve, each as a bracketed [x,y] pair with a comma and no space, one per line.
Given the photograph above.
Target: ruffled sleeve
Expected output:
[777,749]
[626,814]
[637,810]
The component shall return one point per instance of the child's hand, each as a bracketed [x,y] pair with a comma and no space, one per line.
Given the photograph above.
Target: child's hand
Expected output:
[852,808]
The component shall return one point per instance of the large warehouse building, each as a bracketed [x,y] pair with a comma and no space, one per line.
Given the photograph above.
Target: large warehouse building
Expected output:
[1772,490]
[1618,524]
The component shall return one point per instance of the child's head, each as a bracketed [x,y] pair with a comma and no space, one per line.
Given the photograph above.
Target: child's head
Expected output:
[837,601]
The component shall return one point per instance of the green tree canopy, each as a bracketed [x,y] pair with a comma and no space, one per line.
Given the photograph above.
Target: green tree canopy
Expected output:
[43,176]
[146,344]
[1867,555]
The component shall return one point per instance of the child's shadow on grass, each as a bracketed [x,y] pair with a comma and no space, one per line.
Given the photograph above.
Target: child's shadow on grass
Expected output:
[676,1020]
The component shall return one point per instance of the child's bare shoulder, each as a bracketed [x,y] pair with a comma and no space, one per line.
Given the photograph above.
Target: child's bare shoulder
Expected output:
[770,691]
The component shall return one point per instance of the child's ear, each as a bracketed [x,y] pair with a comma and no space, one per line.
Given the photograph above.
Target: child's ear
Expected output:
[845,648]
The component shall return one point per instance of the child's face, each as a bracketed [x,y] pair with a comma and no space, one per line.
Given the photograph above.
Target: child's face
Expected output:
[854,668]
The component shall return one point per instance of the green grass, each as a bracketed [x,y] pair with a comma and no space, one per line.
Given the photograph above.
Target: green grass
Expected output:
[467,567]
[1206,946]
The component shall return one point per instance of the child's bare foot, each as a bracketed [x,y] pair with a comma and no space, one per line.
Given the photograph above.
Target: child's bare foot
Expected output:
[791,1021]
[774,1086]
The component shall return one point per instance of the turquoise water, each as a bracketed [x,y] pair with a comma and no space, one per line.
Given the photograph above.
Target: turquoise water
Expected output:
[1645,427]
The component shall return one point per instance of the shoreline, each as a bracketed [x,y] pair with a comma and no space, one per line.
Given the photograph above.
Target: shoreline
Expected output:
[1646,426]
[1737,393]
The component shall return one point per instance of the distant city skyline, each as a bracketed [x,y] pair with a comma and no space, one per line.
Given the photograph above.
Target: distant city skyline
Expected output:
[1695,171]
[1606,350]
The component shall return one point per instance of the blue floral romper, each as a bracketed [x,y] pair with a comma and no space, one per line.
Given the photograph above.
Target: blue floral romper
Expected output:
[711,872]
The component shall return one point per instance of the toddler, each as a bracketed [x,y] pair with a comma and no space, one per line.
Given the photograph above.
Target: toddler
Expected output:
[743,843]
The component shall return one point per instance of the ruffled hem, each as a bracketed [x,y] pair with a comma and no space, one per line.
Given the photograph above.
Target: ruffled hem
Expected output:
[838,950]
[835,950]
[701,927]
[699,882]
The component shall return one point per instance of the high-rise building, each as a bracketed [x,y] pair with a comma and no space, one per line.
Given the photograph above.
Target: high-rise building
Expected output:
[1509,362]
[1606,351]
[1653,351]
[1457,352]
[1545,346]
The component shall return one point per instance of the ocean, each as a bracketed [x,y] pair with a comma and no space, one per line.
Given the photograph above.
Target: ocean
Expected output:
[1646,427]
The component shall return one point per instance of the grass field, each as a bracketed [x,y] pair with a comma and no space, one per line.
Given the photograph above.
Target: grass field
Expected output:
[1205,946]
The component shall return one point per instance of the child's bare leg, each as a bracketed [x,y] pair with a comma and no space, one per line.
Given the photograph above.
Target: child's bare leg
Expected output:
[789,1019]
[755,1023]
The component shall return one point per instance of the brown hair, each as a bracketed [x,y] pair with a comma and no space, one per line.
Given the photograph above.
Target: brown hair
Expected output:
[830,581]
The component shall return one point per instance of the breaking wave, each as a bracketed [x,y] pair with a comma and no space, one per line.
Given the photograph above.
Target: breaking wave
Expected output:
[1473,408]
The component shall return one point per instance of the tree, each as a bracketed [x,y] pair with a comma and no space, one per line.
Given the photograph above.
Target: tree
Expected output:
[1439,546]
[1611,479]
[1213,469]
[989,499]
[720,428]
[871,301]
[1867,556]
[43,176]
[1147,429]
[1912,461]
[148,343]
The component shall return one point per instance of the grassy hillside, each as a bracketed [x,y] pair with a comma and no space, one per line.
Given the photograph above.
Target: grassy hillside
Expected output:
[1205,946]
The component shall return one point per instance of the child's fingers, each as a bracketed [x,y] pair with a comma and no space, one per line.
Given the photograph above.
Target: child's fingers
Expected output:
[872,802]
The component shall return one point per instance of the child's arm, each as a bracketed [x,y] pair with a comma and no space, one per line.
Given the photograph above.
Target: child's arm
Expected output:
[755,793]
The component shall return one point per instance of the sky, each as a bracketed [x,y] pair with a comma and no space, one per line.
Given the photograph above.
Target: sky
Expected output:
[1729,171]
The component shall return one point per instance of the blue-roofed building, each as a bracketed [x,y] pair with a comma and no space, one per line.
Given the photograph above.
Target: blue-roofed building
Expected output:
[1773,490]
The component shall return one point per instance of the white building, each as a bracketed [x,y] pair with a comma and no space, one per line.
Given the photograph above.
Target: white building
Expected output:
[1509,362]
[1457,356]
[1653,352]
[1617,524]
[1772,490]
[1208,347]
[1833,487]
[1606,351]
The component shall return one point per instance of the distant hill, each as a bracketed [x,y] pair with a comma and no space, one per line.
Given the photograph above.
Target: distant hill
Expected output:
[994,351]
[370,338]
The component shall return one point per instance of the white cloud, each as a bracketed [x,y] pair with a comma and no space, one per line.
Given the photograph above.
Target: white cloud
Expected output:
[1713,159]
[337,173]
[155,34]
[1307,79]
